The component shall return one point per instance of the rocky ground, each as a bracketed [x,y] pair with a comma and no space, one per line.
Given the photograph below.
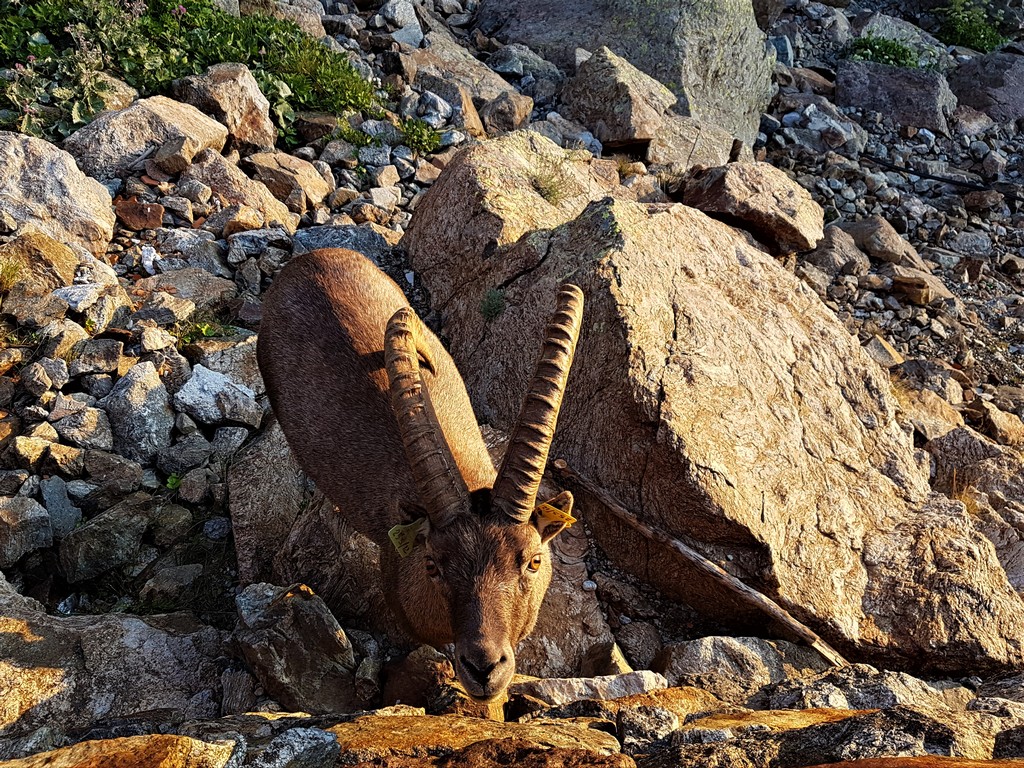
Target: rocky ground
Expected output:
[807,364]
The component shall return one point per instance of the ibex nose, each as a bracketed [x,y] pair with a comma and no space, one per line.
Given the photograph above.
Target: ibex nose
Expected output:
[485,672]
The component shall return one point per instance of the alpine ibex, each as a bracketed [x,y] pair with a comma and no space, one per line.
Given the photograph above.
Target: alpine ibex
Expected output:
[377,414]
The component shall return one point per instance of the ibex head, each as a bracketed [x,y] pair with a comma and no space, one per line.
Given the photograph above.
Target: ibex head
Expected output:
[481,566]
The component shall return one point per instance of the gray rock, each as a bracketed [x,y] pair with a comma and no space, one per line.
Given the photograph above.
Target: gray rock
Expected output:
[189,452]
[227,440]
[735,668]
[299,748]
[24,528]
[212,398]
[667,40]
[88,428]
[617,101]
[557,691]
[165,309]
[991,84]
[107,541]
[296,648]
[43,187]
[516,59]
[96,356]
[361,239]
[169,585]
[112,144]
[915,97]
[140,413]
[64,515]
[91,670]
[192,284]
[234,356]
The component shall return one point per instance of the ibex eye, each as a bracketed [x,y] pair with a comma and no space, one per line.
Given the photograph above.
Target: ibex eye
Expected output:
[534,565]
[431,567]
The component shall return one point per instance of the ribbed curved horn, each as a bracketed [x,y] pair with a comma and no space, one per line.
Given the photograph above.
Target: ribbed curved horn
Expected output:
[515,491]
[437,477]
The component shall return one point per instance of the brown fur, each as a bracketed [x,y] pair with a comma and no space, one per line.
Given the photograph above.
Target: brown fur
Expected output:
[321,354]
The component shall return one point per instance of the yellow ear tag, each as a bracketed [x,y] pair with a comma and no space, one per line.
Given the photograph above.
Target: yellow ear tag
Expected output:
[404,536]
[551,514]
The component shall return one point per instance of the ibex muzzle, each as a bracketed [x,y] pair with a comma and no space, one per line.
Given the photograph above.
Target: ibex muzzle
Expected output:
[377,414]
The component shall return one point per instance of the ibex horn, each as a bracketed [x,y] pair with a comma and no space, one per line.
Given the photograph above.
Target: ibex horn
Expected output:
[437,477]
[515,491]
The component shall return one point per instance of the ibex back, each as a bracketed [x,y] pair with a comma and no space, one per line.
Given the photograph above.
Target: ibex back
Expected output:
[377,414]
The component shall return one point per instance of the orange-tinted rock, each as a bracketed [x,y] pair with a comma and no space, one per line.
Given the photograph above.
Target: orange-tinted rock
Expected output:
[137,216]
[132,752]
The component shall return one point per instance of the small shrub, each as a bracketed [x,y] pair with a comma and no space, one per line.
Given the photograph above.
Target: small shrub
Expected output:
[551,181]
[882,50]
[493,304]
[55,49]
[173,481]
[420,137]
[968,23]
[10,271]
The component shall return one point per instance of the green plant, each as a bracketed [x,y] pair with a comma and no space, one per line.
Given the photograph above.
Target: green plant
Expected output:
[56,50]
[419,136]
[883,50]
[492,304]
[173,481]
[551,181]
[10,271]
[968,23]
[201,326]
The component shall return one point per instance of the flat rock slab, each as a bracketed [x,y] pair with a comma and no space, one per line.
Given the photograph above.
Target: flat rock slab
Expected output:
[132,752]
[557,691]
[43,187]
[370,738]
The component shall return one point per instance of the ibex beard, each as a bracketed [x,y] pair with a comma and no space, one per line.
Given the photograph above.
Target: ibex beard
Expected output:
[377,414]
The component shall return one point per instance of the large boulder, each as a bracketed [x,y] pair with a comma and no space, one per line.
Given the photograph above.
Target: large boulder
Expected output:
[230,93]
[626,108]
[991,84]
[916,97]
[73,673]
[761,199]
[42,186]
[719,399]
[618,102]
[710,54]
[115,142]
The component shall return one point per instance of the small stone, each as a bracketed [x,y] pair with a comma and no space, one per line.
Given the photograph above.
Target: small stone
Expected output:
[189,452]
[140,413]
[96,356]
[137,216]
[217,528]
[299,748]
[107,541]
[35,380]
[212,398]
[88,428]
[24,528]
[165,309]
[64,515]
[170,585]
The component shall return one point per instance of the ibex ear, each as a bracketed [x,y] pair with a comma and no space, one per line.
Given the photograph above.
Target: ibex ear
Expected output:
[551,517]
